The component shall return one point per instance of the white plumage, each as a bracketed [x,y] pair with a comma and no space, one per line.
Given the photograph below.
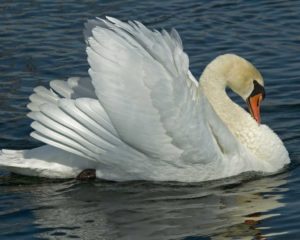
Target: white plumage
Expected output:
[141,115]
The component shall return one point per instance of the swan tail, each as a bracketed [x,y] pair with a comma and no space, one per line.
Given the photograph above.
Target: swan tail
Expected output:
[45,161]
[14,161]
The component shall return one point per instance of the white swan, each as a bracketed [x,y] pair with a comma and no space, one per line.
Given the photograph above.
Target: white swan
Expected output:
[142,115]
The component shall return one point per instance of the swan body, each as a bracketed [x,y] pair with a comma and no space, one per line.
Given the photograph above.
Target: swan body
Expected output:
[141,115]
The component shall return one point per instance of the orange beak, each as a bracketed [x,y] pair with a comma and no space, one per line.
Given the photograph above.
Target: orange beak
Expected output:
[254,106]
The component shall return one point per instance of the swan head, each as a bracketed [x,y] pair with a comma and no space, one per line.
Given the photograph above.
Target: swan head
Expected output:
[243,78]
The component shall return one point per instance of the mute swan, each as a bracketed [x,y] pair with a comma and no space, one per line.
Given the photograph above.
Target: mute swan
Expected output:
[142,114]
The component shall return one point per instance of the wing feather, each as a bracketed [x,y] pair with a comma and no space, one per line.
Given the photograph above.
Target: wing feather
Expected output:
[141,113]
[142,79]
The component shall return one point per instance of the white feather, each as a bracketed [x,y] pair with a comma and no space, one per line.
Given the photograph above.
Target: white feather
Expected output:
[140,115]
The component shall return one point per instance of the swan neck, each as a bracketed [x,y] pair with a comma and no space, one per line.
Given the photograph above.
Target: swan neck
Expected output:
[214,86]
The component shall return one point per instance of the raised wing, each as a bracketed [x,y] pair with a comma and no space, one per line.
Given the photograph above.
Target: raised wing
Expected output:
[141,115]
[142,79]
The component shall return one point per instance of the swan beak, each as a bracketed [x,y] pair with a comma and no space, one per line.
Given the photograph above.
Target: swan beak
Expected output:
[254,106]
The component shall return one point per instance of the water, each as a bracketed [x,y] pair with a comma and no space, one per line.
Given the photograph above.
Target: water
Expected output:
[42,40]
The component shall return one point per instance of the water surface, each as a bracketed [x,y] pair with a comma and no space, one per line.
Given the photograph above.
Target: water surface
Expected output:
[42,40]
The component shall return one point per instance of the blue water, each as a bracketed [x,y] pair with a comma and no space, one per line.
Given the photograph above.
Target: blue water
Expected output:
[42,40]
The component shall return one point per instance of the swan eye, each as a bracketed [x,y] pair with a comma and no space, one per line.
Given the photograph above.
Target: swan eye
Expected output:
[258,89]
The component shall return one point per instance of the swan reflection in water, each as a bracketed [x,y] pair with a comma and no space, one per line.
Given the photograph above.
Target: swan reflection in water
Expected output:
[222,209]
